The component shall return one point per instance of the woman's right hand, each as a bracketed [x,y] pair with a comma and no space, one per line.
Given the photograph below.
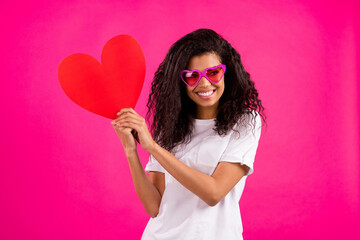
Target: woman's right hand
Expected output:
[148,190]
[126,137]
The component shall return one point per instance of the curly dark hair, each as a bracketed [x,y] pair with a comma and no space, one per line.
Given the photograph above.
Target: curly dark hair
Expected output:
[171,109]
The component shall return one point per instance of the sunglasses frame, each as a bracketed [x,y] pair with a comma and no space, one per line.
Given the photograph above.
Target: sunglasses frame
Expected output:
[203,74]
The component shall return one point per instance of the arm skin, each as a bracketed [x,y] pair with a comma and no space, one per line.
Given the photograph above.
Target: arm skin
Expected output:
[211,189]
[148,190]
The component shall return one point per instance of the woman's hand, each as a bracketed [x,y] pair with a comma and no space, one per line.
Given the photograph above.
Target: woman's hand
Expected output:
[129,120]
[126,138]
[130,125]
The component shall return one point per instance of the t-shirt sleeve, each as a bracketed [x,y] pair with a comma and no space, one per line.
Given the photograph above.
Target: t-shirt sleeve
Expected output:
[242,149]
[153,165]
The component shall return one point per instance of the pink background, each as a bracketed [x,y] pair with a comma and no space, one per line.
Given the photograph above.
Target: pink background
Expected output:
[63,174]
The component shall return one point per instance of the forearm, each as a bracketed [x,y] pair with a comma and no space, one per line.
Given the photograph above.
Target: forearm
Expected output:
[146,191]
[202,185]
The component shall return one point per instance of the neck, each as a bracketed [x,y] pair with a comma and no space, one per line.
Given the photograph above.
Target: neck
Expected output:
[206,113]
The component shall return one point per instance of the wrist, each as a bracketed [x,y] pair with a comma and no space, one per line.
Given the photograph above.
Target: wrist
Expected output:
[130,153]
[152,147]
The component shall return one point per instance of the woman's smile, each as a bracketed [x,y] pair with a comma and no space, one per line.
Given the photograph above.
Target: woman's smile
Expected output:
[206,94]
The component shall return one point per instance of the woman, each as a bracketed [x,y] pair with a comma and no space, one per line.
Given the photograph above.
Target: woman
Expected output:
[206,128]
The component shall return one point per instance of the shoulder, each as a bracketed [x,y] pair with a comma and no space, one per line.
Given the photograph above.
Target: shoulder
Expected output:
[250,121]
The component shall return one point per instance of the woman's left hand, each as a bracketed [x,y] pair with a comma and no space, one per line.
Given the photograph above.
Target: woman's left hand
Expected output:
[130,119]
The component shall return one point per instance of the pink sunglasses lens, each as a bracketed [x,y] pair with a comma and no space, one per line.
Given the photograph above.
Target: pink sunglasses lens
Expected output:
[215,75]
[190,77]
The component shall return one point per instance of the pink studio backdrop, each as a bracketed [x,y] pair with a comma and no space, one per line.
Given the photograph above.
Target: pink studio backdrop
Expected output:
[63,174]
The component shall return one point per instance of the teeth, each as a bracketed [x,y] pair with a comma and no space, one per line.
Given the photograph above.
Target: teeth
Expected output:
[205,94]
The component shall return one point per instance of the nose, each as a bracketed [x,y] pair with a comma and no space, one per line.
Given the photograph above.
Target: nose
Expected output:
[204,82]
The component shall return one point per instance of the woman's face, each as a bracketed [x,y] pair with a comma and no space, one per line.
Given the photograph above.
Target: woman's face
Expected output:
[206,105]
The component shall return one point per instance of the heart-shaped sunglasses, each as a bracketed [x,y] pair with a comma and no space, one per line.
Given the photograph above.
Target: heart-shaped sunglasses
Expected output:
[213,74]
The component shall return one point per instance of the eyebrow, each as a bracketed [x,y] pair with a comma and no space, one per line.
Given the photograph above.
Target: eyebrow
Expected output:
[204,69]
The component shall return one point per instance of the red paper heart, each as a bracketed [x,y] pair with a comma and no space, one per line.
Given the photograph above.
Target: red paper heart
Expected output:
[104,88]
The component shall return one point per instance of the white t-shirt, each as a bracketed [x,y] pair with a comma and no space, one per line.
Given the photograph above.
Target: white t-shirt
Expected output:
[182,214]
